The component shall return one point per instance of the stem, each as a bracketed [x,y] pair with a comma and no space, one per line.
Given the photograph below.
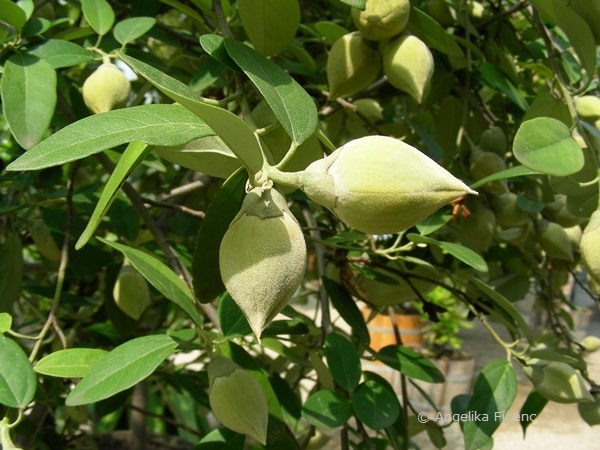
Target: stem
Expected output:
[293,179]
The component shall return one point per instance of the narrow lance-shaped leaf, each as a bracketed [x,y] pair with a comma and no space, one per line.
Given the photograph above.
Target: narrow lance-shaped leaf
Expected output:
[460,252]
[120,369]
[70,362]
[133,155]
[232,130]
[162,125]
[28,97]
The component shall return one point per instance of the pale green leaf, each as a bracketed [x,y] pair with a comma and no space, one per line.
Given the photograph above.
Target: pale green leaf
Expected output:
[99,14]
[17,379]
[59,53]
[5,322]
[129,30]
[151,124]
[12,14]
[460,252]
[28,97]
[516,171]
[122,368]
[70,362]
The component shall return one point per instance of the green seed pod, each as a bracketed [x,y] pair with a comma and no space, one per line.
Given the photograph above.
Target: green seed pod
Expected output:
[588,107]
[237,399]
[106,89]
[558,212]
[44,241]
[558,382]
[369,108]
[590,412]
[554,240]
[440,11]
[494,140]
[131,292]
[575,233]
[508,214]
[589,245]
[382,19]
[477,231]
[351,66]
[484,164]
[262,257]
[408,65]
[379,184]
[591,343]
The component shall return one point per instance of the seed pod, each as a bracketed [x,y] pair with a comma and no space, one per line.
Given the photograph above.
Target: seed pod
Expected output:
[484,164]
[379,184]
[558,212]
[590,412]
[382,19]
[106,89]
[477,230]
[44,241]
[508,213]
[262,257]
[237,399]
[351,66]
[589,245]
[588,107]
[131,292]
[440,11]
[558,382]
[590,343]
[494,140]
[554,240]
[369,108]
[408,65]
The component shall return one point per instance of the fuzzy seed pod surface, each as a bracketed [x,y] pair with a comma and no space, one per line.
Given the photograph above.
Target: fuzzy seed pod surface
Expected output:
[590,247]
[558,381]
[262,257]
[379,185]
[106,89]
[131,292]
[382,19]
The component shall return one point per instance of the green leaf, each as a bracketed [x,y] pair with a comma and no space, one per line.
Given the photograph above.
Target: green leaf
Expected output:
[129,30]
[12,14]
[376,404]
[222,439]
[346,307]
[410,363]
[59,53]
[162,278]
[214,45]
[511,172]
[120,369]
[545,145]
[493,393]
[576,29]
[326,409]
[231,318]
[5,322]
[343,361]
[360,4]
[222,209]
[533,406]
[70,363]
[151,124]
[133,155]
[270,24]
[493,77]
[17,379]
[232,130]
[99,14]
[11,270]
[432,33]
[331,31]
[28,91]
[460,252]
[291,104]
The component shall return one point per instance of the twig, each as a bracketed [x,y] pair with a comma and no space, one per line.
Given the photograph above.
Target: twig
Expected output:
[176,207]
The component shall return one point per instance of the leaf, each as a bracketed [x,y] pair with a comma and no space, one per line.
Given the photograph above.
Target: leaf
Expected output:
[129,30]
[376,404]
[291,104]
[533,406]
[493,77]
[270,24]
[493,393]
[231,318]
[17,379]
[343,361]
[232,130]
[360,4]
[460,252]
[11,270]
[28,91]
[326,409]
[511,172]
[432,33]
[214,45]
[331,31]
[222,439]
[70,363]
[121,368]
[59,53]
[410,363]
[222,209]
[133,155]
[99,14]
[545,145]
[5,322]
[162,278]
[151,124]
[12,14]
[576,29]
[346,307]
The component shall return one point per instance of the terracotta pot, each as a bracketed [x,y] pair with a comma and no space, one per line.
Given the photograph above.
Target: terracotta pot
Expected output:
[381,331]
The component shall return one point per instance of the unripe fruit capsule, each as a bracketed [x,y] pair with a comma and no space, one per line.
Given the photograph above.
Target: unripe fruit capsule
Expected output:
[382,19]
[106,89]
[589,245]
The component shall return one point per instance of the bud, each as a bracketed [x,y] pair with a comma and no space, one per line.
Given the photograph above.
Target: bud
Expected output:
[588,107]
[408,65]
[558,382]
[237,399]
[554,240]
[262,257]
[589,245]
[106,89]
[351,66]
[590,412]
[590,343]
[131,292]
[382,19]
[379,184]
